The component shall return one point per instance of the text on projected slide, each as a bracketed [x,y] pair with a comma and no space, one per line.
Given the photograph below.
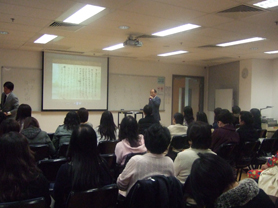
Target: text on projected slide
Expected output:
[76,82]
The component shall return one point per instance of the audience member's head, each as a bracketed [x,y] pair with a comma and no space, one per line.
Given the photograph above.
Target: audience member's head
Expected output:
[157,138]
[71,120]
[210,176]
[9,85]
[225,117]
[83,115]
[107,126]
[235,109]
[178,118]
[245,118]
[31,122]
[84,158]
[188,114]
[199,133]
[216,113]
[18,166]
[23,111]
[129,130]
[147,110]
[257,122]
[201,116]
[9,125]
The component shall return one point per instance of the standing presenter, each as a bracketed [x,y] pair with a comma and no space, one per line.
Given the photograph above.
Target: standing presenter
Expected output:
[9,101]
[154,102]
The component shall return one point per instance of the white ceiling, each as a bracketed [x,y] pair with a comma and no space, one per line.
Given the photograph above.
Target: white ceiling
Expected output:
[144,17]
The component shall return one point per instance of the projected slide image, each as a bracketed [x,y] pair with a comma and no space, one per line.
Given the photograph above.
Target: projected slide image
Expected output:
[76,82]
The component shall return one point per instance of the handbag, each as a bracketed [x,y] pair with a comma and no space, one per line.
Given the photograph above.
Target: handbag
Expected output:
[268,181]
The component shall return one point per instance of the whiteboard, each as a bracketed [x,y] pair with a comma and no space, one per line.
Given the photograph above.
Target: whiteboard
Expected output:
[27,84]
[131,92]
[224,99]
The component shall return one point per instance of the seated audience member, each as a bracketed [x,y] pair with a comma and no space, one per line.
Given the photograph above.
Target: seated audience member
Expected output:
[235,111]
[188,115]
[31,130]
[86,170]
[9,125]
[213,185]
[199,135]
[216,113]
[226,132]
[83,116]
[63,132]
[20,178]
[107,130]
[257,122]
[202,116]
[153,163]
[23,111]
[149,120]
[246,130]
[178,128]
[130,140]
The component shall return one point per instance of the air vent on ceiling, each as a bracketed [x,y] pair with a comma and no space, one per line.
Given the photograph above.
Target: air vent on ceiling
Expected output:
[240,11]
[65,26]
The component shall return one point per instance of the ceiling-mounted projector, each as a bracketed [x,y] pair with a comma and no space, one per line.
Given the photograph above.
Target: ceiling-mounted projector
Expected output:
[133,42]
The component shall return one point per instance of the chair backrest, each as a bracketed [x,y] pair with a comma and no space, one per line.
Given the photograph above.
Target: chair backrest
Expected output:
[266,147]
[63,149]
[156,191]
[41,151]
[107,147]
[110,159]
[94,198]
[227,151]
[248,150]
[29,203]
[50,167]
[275,147]
[51,135]
[262,133]
[179,142]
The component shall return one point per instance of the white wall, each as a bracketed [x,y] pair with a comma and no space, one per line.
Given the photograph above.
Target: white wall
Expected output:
[261,90]
[275,89]
[50,120]
[245,85]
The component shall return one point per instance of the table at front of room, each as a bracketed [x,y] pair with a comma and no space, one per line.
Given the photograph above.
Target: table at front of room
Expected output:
[135,113]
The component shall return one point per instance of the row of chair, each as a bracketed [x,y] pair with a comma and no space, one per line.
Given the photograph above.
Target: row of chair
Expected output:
[250,154]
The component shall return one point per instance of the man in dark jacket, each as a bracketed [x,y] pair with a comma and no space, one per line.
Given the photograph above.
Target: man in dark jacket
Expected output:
[146,122]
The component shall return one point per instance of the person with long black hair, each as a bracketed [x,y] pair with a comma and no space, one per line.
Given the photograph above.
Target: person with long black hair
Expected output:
[188,115]
[107,130]
[86,169]
[20,178]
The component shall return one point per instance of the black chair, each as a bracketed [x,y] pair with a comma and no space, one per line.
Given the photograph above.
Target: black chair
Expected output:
[50,169]
[94,198]
[262,133]
[275,146]
[29,203]
[264,152]
[107,147]
[51,135]
[227,151]
[177,144]
[63,149]
[41,151]
[245,156]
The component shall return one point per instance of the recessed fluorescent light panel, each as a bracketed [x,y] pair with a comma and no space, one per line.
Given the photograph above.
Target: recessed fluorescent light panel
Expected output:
[172,53]
[240,41]
[45,39]
[271,52]
[178,29]
[83,14]
[114,47]
[267,4]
